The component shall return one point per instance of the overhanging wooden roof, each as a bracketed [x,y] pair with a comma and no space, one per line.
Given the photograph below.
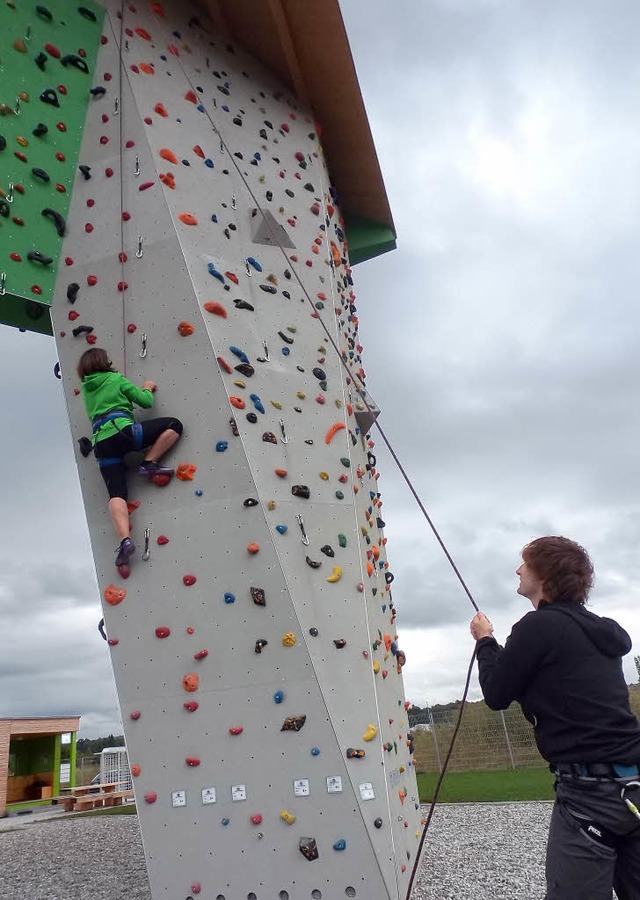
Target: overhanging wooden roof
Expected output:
[304,43]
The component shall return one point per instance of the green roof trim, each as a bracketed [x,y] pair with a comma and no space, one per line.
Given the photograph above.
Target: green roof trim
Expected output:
[367,238]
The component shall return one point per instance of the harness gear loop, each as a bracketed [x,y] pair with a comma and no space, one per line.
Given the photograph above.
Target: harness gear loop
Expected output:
[633,809]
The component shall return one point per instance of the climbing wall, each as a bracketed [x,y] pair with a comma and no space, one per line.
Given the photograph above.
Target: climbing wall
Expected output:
[253,638]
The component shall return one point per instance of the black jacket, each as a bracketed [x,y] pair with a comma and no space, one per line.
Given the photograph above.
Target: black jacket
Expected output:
[563,665]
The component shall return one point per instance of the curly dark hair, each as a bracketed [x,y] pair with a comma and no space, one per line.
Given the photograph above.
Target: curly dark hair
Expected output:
[565,568]
[94,360]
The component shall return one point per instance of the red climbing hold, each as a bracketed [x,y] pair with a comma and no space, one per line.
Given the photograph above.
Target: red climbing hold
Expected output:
[52,50]
[148,120]
[191,682]
[315,209]
[73,315]
[163,632]
[122,257]
[113,642]
[104,140]
[36,289]
[256,819]
[104,39]
[126,216]
[135,770]
[150,797]
[114,595]
[162,540]
[232,277]
[88,227]
[159,108]
[191,97]
[216,308]
[188,580]
[135,715]
[61,189]
[107,76]
[285,127]
[143,33]
[146,185]
[201,654]
[237,729]
[60,157]
[157,9]
[196,887]
[108,172]
[131,328]
[191,705]
[91,339]
[173,50]
[198,149]
[134,68]
[92,280]
[192,761]
[15,257]
[130,144]
[62,90]
[185,329]
[161,480]
[122,286]
[224,364]
[253,548]
[68,261]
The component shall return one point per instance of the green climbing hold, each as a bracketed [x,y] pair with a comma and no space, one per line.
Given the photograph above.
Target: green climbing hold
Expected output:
[346,462]
[339,495]
[319,305]
[342,540]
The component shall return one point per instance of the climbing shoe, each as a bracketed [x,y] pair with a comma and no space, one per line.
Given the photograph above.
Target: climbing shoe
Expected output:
[125,552]
[151,468]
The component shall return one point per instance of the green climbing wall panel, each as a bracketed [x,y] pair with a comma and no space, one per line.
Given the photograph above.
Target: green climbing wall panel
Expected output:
[47,53]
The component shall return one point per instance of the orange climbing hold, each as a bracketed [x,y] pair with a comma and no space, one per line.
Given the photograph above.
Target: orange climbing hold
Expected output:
[168,180]
[212,306]
[253,548]
[135,770]
[238,402]
[169,155]
[157,9]
[147,68]
[331,433]
[185,329]
[161,110]
[188,218]
[281,473]
[186,471]
[191,682]
[143,33]
[369,569]
[114,595]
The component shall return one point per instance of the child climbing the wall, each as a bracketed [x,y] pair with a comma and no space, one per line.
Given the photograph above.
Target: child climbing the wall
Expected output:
[109,398]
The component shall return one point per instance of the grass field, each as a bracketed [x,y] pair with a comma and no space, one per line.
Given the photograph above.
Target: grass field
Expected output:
[490,786]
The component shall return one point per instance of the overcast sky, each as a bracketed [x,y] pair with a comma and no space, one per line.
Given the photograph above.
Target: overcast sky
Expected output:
[501,343]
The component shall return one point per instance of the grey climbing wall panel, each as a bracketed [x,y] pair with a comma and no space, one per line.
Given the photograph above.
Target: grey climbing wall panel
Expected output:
[254,649]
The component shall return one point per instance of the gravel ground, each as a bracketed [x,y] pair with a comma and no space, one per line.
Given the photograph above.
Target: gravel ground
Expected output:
[481,851]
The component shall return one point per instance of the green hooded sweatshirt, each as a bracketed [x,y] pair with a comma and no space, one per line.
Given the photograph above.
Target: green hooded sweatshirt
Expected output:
[108,392]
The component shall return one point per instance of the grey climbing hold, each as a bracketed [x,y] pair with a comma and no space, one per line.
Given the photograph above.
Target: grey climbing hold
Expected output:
[37,256]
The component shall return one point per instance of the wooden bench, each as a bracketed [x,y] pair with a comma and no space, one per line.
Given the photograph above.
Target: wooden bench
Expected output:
[101,799]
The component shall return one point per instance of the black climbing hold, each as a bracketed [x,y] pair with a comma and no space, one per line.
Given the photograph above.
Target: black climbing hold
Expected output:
[237,120]
[293,723]
[82,329]
[44,13]
[39,130]
[238,155]
[72,291]
[86,172]
[50,96]
[72,59]
[340,643]
[258,596]
[378,822]
[319,373]
[3,142]
[245,369]
[380,524]
[250,501]
[355,754]
[301,490]
[101,630]
[327,550]
[309,441]
[268,124]
[252,417]
[87,13]
[309,848]
[314,632]
[98,91]
[268,288]
[289,192]
[263,134]
[260,643]
[5,209]
[269,438]
[34,310]
[286,294]
[58,221]
[242,304]
[287,274]
[269,196]
[41,60]
[56,370]
[85,446]
[309,187]
[388,576]
[371,461]
[313,563]
[285,338]
[40,174]
[36,256]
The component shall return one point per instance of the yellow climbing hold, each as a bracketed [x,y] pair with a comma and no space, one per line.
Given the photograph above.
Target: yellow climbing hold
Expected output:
[300,395]
[336,575]
[289,639]
[324,476]
[240,384]
[287,817]
[272,279]
[338,403]
[276,404]
[370,733]
[271,504]
[376,666]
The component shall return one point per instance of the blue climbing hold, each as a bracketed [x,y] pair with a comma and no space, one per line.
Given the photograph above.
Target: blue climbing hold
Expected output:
[214,217]
[213,271]
[221,446]
[257,402]
[340,845]
[229,597]
[209,162]
[315,751]
[254,262]
[257,156]
[225,108]
[240,354]
[198,492]
[286,351]
[394,646]
[225,821]
[282,529]
[278,696]
[200,108]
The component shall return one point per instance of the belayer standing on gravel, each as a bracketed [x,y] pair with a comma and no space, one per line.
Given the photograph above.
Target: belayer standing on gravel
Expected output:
[109,398]
[563,664]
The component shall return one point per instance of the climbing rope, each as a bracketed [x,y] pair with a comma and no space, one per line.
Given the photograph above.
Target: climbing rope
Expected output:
[118,110]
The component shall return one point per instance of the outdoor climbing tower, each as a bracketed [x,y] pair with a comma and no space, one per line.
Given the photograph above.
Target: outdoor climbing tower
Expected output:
[187,185]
